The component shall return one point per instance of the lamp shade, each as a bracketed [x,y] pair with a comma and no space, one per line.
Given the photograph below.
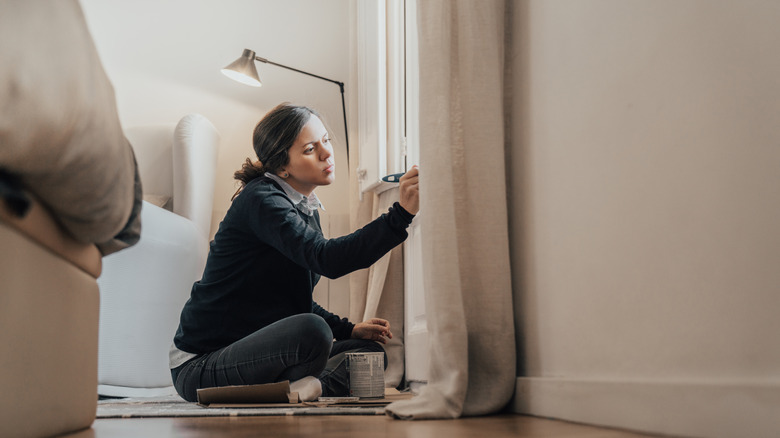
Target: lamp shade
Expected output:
[243,69]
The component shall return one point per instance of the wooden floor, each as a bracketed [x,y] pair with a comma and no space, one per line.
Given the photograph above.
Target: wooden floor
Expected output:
[497,426]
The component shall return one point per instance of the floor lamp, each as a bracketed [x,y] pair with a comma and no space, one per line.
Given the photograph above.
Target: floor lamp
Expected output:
[243,70]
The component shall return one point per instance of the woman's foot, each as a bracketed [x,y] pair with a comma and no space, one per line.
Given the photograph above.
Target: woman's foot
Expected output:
[309,388]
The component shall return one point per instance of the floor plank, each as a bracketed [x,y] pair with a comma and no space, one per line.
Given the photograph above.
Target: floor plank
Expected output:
[497,426]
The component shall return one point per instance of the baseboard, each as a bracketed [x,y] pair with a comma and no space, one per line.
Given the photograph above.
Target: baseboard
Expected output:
[669,407]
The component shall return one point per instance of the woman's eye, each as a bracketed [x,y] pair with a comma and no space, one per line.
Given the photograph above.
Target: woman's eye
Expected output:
[308,150]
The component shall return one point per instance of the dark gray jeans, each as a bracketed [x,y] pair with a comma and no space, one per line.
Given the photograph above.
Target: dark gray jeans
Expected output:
[289,349]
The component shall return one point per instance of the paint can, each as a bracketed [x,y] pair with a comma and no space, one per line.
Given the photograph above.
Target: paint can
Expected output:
[366,374]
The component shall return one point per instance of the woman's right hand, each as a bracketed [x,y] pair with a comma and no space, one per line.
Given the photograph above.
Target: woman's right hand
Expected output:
[410,191]
[374,329]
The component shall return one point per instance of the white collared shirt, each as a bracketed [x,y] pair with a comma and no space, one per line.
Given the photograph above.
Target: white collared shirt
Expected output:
[306,204]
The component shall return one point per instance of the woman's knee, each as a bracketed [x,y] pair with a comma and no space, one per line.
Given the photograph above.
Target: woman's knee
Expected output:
[359,346]
[366,346]
[314,329]
[374,347]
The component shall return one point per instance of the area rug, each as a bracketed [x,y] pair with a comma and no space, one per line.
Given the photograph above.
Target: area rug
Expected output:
[175,406]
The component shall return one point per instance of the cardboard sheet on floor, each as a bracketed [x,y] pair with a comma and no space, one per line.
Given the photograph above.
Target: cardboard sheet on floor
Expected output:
[278,395]
[245,396]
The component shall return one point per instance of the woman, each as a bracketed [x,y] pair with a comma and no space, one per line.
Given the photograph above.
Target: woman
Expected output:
[251,318]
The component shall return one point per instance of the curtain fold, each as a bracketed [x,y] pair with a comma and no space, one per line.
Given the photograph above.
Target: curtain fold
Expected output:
[379,290]
[467,278]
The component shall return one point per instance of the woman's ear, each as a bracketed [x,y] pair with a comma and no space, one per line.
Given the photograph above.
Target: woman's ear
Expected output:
[283,174]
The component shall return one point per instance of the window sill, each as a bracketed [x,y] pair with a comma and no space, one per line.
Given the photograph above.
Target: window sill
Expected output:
[379,186]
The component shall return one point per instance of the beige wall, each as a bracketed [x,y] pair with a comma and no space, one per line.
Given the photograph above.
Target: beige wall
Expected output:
[645,191]
[163,58]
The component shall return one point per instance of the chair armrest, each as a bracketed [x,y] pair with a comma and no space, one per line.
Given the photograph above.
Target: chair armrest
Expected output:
[195,146]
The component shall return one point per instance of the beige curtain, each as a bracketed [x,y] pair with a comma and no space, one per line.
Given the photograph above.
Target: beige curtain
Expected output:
[466,267]
[378,292]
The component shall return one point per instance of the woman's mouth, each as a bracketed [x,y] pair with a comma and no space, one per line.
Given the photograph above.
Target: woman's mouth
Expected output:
[330,168]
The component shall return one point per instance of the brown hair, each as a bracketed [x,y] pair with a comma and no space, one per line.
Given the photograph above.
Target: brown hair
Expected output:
[273,136]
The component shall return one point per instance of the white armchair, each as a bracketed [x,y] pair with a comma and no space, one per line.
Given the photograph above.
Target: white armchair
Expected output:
[144,288]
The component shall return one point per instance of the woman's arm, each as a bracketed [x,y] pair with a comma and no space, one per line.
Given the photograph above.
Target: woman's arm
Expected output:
[281,225]
[341,327]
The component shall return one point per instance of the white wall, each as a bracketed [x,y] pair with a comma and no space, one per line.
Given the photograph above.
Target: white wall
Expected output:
[164,57]
[645,216]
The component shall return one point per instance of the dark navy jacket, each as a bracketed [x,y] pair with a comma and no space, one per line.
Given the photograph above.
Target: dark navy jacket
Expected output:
[264,262]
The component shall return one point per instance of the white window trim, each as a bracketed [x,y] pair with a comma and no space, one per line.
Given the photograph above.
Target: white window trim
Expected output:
[388,93]
[381,93]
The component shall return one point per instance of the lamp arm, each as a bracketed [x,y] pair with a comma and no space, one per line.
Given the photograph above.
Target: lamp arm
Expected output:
[341,87]
[340,84]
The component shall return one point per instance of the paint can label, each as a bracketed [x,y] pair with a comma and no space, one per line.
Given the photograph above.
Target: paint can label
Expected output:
[366,374]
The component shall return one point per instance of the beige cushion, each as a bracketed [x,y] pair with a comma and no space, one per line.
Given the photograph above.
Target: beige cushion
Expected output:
[40,227]
[59,129]
[49,310]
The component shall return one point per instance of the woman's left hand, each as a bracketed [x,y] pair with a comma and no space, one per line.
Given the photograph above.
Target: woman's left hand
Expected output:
[374,329]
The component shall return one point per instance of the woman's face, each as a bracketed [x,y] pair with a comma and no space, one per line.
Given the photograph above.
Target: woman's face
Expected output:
[311,159]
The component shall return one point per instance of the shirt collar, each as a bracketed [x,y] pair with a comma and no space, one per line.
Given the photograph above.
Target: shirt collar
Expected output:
[306,204]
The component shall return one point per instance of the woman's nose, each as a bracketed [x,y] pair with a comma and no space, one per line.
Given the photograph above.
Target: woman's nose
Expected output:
[326,152]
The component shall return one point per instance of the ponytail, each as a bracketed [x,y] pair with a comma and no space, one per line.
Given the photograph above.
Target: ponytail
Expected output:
[249,171]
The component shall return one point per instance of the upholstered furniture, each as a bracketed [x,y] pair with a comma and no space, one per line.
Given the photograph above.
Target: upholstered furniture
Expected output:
[59,129]
[48,326]
[144,288]
[67,196]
